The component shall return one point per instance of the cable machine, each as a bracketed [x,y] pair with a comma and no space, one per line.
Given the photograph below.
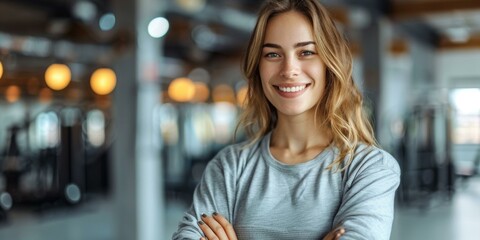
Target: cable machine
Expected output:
[426,154]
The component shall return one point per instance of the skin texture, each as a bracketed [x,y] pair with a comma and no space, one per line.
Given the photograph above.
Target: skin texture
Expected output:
[288,60]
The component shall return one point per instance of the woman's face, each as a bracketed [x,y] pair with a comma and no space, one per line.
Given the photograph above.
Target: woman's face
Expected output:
[292,72]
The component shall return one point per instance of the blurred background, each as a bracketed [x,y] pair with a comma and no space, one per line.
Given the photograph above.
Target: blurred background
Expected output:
[110,109]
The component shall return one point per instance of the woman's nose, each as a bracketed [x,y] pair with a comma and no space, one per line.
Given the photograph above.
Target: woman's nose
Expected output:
[290,69]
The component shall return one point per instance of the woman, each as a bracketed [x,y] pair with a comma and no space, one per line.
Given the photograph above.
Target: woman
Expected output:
[311,169]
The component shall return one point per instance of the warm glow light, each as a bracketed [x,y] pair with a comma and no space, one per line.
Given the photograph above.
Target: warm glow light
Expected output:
[12,94]
[181,90]
[242,96]
[1,69]
[103,81]
[45,95]
[223,93]
[58,76]
[192,5]
[201,92]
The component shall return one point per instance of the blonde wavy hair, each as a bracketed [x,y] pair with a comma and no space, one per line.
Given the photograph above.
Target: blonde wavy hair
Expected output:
[340,108]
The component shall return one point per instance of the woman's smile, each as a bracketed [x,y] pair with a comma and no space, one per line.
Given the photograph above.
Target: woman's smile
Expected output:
[291,90]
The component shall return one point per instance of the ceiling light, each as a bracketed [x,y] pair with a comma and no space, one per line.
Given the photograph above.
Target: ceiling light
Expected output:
[103,81]
[12,94]
[158,27]
[201,92]
[58,76]
[85,10]
[181,90]
[107,22]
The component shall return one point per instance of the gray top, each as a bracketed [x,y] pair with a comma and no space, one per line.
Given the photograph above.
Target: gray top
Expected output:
[266,199]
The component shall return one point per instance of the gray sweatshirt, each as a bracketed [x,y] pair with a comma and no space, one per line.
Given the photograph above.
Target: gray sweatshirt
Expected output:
[265,199]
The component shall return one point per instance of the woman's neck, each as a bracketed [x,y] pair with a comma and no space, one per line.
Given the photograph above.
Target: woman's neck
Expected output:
[298,139]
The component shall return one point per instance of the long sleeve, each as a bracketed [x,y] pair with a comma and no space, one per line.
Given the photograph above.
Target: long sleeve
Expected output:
[214,193]
[367,207]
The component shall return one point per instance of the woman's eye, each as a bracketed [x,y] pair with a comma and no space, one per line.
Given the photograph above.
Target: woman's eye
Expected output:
[272,55]
[307,53]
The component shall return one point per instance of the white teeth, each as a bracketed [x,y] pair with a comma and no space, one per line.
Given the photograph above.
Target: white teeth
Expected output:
[292,89]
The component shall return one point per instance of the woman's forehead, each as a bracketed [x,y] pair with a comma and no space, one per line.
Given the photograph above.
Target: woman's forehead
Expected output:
[288,29]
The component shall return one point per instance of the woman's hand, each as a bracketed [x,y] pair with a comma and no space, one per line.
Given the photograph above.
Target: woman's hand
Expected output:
[335,234]
[216,227]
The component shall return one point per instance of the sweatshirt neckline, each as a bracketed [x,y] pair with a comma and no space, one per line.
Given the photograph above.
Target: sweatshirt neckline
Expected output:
[271,160]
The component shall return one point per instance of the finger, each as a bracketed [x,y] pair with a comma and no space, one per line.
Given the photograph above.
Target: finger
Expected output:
[339,232]
[215,227]
[330,236]
[209,234]
[335,234]
[227,226]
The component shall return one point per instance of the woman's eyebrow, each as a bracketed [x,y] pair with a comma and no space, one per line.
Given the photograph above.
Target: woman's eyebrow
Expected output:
[271,45]
[300,44]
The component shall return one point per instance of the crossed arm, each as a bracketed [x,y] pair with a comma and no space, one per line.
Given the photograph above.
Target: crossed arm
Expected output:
[366,210]
[216,227]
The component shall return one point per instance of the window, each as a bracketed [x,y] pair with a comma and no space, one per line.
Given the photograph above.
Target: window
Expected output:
[466,117]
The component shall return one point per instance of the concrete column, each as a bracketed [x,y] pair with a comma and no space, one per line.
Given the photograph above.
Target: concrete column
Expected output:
[137,175]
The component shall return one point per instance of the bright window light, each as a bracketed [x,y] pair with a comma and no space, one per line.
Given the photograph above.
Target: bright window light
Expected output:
[466,117]
[465,100]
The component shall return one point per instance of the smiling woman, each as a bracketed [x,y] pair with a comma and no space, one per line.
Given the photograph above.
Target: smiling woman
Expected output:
[311,168]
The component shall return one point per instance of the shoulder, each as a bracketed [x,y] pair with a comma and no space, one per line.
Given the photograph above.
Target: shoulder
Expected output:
[372,160]
[370,156]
